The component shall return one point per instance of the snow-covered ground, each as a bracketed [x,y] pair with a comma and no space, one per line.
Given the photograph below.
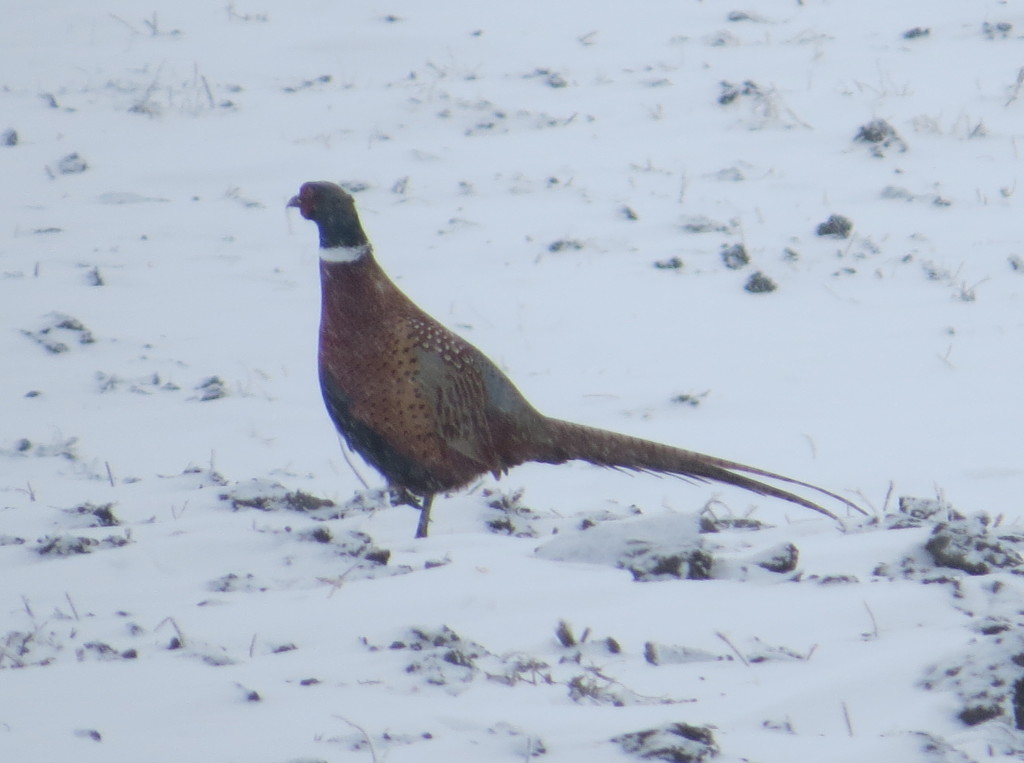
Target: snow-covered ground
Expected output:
[575,188]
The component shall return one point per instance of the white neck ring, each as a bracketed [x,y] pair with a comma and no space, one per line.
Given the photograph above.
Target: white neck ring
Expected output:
[344,253]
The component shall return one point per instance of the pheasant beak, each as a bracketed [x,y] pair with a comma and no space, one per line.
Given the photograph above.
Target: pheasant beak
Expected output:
[293,202]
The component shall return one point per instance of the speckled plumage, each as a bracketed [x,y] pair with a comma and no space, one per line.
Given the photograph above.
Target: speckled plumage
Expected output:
[431,412]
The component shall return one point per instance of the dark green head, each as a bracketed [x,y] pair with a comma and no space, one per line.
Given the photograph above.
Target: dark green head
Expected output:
[334,212]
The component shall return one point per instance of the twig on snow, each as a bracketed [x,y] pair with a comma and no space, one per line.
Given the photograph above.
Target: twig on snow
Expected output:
[366,736]
[733,647]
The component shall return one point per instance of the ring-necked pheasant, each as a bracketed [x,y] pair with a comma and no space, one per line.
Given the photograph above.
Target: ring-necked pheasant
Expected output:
[429,411]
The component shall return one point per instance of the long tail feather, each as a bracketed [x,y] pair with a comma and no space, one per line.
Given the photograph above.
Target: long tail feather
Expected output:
[571,442]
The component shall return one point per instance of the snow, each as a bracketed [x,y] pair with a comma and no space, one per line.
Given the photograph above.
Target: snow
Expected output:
[522,168]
